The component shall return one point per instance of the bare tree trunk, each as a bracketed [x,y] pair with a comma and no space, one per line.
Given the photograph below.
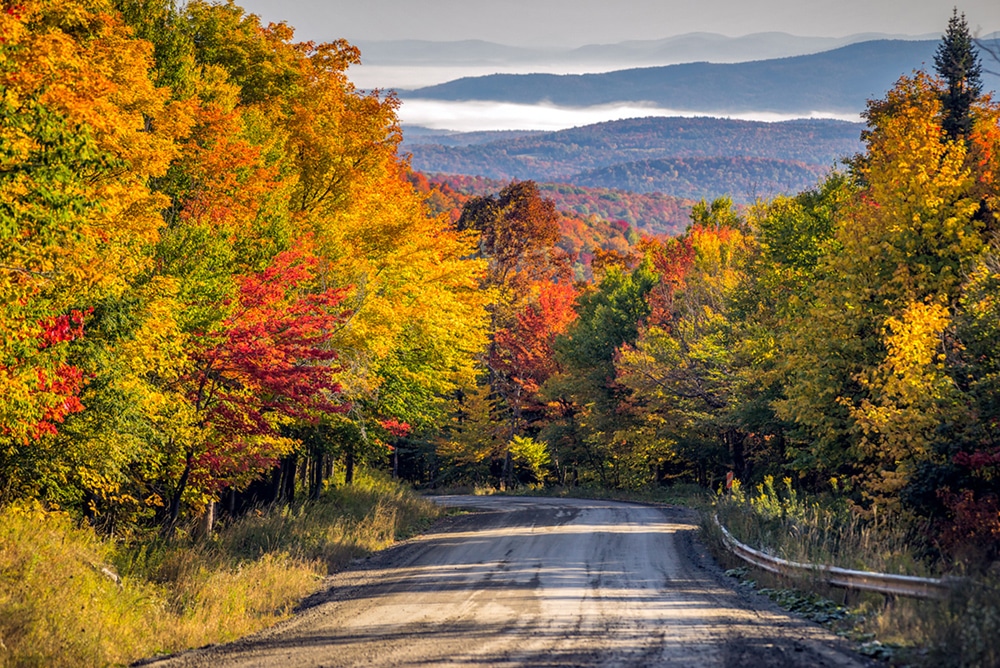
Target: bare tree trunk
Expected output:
[206,522]
[317,477]
[734,440]
[289,468]
[505,473]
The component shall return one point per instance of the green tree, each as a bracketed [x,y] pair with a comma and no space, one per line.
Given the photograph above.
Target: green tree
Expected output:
[591,425]
[957,62]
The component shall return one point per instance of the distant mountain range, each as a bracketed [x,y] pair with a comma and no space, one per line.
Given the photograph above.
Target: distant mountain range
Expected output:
[691,158]
[686,48]
[683,157]
[411,64]
[836,81]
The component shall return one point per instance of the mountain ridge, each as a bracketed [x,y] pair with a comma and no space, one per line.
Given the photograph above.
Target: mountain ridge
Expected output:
[836,81]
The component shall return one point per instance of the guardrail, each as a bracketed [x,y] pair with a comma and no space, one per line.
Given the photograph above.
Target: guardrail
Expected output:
[897,585]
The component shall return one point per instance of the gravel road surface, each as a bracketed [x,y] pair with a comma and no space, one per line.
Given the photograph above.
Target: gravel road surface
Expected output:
[538,582]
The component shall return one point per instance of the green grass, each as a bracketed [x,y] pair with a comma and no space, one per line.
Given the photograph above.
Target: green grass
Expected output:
[57,607]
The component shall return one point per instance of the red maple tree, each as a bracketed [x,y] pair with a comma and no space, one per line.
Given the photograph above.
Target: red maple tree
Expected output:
[269,362]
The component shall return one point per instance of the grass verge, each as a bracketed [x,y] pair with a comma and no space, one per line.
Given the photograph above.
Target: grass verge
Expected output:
[61,606]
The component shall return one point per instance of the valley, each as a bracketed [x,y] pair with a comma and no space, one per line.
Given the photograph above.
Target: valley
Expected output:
[692,158]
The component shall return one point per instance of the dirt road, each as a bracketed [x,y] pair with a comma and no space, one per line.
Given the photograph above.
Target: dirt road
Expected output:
[539,582]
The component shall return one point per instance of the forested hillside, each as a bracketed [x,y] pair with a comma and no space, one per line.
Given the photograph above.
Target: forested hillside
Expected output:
[214,270]
[554,155]
[742,179]
[682,157]
[651,213]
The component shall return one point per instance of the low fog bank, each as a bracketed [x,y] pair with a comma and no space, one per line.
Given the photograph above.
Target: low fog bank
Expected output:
[484,116]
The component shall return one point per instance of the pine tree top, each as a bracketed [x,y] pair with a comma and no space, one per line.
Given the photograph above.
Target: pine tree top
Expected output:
[957,63]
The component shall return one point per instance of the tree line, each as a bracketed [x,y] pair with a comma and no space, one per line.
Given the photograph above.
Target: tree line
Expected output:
[215,278]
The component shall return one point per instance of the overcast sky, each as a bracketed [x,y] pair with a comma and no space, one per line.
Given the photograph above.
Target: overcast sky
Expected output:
[578,22]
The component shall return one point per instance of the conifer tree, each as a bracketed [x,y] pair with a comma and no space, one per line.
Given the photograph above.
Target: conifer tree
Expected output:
[957,62]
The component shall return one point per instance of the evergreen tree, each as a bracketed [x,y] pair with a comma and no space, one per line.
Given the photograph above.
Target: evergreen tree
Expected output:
[957,62]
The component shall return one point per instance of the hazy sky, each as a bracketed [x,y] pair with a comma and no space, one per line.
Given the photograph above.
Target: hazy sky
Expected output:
[578,22]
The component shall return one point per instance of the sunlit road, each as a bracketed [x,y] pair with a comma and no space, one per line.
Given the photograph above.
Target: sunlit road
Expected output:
[539,582]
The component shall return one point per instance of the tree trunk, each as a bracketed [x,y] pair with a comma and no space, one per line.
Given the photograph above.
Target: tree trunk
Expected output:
[275,489]
[317,478]
[304,474]
[508,465]
[175,501]
[349,465]
[735,441]
[206,522]
[288,466]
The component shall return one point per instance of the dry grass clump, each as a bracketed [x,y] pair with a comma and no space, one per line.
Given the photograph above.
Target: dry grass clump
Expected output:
[57,607]
[60,606]
[960,632]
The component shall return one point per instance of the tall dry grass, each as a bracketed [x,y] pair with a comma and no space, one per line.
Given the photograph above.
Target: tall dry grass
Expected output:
[775,518]
[60,607]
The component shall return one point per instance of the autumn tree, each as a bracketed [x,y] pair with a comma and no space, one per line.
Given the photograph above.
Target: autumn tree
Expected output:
[267,365]
[146,365]
[471,441]
[591,417]
[682,364]
[861,363]
[525,355]
[517,230]
[790,238]
[286,147]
